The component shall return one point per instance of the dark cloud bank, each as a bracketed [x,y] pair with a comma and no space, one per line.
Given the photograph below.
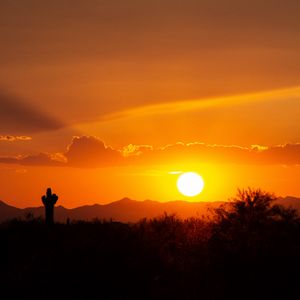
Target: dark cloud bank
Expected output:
[19,117]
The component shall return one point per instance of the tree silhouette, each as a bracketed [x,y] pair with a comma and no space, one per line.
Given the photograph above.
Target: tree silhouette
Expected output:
[254,207]
[249,207]
[49,200]
[249,221]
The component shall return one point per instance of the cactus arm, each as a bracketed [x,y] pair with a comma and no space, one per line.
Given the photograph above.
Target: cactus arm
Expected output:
[44,200]
[54,198]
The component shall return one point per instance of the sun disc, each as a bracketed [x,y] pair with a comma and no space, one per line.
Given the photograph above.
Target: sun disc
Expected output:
[190,184]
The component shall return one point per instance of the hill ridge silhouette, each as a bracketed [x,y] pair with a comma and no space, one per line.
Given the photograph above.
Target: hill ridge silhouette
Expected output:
[126,209]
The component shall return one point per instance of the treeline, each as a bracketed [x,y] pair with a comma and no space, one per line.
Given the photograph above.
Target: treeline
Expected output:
[249,249]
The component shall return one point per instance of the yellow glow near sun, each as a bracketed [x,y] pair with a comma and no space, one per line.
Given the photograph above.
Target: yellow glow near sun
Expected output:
[190,184]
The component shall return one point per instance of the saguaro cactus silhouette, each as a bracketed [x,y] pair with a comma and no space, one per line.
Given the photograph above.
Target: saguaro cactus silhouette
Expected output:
[49,201]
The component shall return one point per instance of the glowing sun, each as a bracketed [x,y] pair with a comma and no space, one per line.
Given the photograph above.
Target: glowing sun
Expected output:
[190,184]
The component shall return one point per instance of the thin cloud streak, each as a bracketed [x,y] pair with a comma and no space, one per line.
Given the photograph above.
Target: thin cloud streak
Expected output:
[198,104]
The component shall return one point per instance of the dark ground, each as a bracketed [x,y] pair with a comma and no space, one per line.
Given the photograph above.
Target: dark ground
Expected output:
[240,254]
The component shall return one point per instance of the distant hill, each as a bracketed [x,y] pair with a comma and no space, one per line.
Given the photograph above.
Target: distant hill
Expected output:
[126,210]
[290,201]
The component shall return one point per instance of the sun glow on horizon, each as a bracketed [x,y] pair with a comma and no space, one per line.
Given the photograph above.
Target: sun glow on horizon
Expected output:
[190,184]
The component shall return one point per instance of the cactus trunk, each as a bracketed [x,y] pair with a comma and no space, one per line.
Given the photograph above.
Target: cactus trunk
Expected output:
[49,200]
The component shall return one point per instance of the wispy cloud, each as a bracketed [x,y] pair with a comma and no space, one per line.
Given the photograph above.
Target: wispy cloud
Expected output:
[14,138]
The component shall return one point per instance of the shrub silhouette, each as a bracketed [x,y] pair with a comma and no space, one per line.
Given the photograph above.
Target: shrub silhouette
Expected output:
[49,200]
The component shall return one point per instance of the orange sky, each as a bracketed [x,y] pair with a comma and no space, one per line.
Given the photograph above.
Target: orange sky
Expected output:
[217,76]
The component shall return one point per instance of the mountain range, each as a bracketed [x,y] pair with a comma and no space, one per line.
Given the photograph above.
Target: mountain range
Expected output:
[126,210]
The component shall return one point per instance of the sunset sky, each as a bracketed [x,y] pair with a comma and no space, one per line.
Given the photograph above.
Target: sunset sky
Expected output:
[109,99]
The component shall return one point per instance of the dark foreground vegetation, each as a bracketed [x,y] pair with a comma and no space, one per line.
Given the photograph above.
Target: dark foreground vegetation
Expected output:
[250,249]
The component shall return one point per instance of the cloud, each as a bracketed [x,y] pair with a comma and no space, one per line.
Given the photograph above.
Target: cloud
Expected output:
[41,159]
[91,152]
[83,151]
[14,138]
[287,154]
[193,152]
[18,117]
[136,150]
